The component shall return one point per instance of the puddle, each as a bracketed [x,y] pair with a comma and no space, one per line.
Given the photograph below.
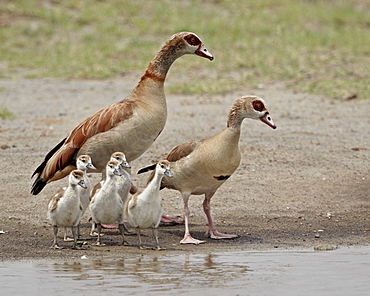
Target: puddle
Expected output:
[340,272]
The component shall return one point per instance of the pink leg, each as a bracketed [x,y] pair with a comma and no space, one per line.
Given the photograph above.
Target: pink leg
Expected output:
[188,239]
[212,232]
[166,220]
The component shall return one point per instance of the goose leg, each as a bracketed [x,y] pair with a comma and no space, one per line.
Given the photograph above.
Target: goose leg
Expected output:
[74,246]
[212,232]
[139,236]
[155,233]
[188,239]
[122,229]
[66,238]
[98,242]
[55,231]
[167,220]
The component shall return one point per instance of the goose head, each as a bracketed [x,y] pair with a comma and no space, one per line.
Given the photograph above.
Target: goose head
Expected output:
[113,168]
[252,107]
[163,168]
[84,162]
[188,43]
[121,158]
[76,177]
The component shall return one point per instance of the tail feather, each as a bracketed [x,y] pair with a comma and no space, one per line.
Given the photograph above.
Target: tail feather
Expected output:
[41,167]
[39,184]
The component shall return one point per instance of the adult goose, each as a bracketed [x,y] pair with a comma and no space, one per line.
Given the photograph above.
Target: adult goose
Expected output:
[130,126]
[66,209]
[144,209]
[202,166]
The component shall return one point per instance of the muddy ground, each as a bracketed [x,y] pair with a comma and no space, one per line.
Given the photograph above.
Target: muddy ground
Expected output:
[305,184]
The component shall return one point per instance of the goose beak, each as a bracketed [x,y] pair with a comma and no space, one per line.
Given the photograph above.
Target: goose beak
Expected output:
[268,120]
[82,184]
[203,52]
[125,164]
[117,172]
[91,166]
[168,173]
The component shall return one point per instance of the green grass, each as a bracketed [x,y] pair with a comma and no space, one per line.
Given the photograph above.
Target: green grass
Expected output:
[313,46]
[5,113]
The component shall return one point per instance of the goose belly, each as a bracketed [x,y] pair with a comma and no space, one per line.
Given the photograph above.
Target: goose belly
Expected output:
[66,214]
[145,215]
[107,211]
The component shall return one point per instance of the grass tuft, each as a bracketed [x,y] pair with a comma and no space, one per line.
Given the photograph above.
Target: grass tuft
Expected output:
[5,113]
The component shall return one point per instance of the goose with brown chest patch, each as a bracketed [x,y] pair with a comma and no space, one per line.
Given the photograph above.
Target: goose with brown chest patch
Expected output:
[144,209]
[202,166]
[66,209]
[106,205]
[130,126]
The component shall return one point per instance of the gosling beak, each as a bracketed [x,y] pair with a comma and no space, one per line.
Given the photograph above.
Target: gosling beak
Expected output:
[168,173]
[91,166]
[203,52]
[82,184]
[125,164]
[268,120]
[117,172]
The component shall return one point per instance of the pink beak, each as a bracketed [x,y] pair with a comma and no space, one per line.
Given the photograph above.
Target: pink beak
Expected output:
[203,52]
[268,120]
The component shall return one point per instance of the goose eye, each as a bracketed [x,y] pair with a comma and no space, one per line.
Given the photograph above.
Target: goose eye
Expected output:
[192,40]
[258,106]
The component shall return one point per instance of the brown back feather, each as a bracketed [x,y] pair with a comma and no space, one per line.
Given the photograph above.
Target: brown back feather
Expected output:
[62,162]
[183,150]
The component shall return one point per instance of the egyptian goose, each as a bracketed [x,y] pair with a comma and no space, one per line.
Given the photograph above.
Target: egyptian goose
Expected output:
[66,209]
[83,163]
[106,205]
[144,209]
[123,183]
[130,126]
[202,166]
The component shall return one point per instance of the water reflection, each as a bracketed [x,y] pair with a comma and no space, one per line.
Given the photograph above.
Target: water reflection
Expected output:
[149,274]
[341,272]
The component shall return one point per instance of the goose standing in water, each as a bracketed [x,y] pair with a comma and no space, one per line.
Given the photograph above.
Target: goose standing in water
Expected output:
[202,166]
[66,209]
[144,209]
[130,126]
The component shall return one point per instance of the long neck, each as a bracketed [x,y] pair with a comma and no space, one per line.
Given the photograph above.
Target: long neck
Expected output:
[235,118]
[155,75]
[109,182]
[155,183]
[71,190]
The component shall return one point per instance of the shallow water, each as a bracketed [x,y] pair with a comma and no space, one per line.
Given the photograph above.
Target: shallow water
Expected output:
[340,272]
